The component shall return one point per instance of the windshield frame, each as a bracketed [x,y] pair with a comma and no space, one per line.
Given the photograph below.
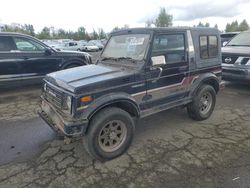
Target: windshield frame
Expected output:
[129,32]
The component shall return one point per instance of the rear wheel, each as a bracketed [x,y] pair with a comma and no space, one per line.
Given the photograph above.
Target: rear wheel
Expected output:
[203,103]
[110,134]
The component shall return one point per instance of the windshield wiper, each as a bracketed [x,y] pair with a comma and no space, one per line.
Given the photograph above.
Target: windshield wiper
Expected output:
[108,58]
[119,58]
[127,58]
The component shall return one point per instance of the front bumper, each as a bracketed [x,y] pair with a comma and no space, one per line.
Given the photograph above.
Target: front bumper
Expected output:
[69,127]
[235,73]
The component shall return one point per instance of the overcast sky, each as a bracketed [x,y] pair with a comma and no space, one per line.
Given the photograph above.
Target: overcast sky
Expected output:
[107,14]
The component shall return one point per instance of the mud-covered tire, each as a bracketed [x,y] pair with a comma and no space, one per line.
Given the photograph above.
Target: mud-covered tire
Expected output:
[106,126]
[203,103]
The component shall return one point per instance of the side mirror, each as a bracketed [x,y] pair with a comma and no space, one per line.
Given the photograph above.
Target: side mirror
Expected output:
[47,52]
[158,60]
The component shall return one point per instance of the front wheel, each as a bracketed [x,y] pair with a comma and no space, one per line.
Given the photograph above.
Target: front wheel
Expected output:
[203,103]
[110,134]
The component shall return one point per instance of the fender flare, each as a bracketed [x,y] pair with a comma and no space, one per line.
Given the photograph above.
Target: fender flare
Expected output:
[111,99]
[207,78]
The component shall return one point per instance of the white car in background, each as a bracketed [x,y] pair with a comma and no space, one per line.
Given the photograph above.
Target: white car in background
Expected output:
[69,46]
[85,46]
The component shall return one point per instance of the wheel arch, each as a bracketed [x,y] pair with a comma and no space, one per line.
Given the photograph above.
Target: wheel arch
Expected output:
[72,62]
[209,79]
[126,103]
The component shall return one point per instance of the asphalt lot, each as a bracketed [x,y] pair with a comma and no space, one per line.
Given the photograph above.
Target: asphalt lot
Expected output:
[169,149]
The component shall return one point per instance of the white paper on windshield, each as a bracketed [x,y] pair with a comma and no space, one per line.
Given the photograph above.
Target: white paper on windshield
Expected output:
[135,41]
[158,60]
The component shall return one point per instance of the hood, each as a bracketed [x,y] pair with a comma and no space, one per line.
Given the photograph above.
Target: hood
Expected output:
[70,53]
[237,50]
[90,78]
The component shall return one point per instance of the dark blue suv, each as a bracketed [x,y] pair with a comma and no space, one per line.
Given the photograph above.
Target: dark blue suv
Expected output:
[26,60]
[141,72]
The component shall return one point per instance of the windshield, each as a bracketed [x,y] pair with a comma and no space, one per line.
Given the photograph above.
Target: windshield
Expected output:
[242,39]
[127,46]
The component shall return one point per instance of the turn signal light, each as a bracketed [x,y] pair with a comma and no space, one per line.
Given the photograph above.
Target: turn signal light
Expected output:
[86,99]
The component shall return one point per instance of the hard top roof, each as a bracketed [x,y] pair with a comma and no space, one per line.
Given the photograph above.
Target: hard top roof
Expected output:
[161,29]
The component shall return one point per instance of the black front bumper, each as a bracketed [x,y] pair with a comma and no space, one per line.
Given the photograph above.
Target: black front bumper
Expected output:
[235,73]
[72,127]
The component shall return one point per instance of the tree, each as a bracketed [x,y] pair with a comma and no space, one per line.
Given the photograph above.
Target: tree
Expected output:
[200,24]
[101,33]
[94,35]
[207,24]
[29,29]
[234,26]
[81,32]
[44,34]
[243,26]
[164,19]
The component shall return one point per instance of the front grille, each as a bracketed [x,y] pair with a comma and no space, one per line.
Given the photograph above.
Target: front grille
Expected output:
[238,60]
[53,96]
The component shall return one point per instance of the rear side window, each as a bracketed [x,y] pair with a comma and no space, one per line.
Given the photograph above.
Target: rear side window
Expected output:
[208,46]
[6,44]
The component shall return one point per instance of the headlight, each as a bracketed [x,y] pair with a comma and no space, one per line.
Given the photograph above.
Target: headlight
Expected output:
[68,102]
[44,87]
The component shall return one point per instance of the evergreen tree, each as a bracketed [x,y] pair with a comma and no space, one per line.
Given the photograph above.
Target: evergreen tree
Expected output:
[164,19]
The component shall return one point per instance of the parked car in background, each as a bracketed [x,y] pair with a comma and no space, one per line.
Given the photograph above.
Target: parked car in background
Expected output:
[141,72]
[226,37]
[70,46]
[85,46]
[97,43]
[26,60]
[236,58]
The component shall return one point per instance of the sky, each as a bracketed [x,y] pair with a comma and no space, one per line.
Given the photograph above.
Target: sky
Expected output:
[107,14]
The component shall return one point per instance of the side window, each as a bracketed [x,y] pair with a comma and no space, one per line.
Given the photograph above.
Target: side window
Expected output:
[208,46]
[213,46]
[6,44]
[27,45]
[171,46]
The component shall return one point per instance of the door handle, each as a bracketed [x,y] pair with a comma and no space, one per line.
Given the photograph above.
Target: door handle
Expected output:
[160,73]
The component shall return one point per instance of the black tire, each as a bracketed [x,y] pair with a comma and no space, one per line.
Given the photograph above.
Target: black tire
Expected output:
[203,103]
[93,141]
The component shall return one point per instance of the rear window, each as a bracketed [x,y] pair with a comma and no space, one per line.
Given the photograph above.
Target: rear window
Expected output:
[208,46]
[6,44]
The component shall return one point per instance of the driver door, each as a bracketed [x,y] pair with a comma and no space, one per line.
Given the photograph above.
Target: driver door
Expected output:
[167,74]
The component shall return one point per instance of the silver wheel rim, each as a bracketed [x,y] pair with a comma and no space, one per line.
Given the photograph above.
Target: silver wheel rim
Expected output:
[112,135]
[205,102]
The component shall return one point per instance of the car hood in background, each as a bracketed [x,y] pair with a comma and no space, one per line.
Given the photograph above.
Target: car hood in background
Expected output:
[239,50]
[70,53]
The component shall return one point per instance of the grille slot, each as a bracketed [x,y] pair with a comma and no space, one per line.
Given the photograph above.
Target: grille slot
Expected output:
[54,96]
[245,60]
